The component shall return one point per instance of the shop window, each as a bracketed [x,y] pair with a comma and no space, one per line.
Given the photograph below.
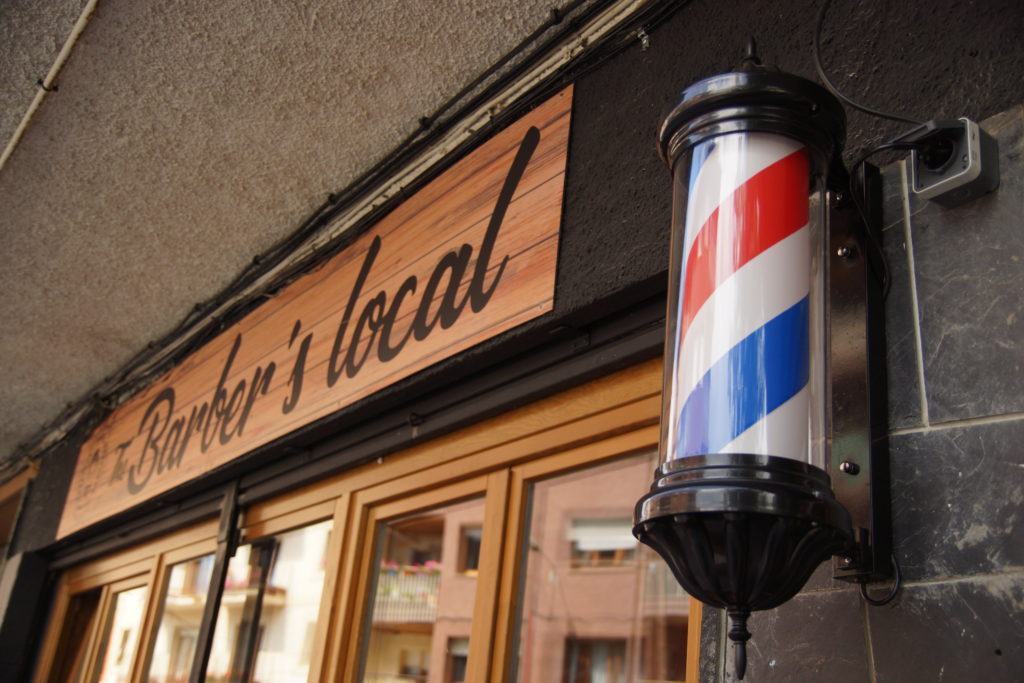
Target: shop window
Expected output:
[602,542]
[272,593]
[585,623]
[664,646]
[74,636]
[120,635]
[182,601]
[420,599]
[594,660]
[468,560]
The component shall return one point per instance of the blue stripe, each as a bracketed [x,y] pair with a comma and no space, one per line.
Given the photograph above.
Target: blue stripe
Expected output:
[700,154]
[766,369]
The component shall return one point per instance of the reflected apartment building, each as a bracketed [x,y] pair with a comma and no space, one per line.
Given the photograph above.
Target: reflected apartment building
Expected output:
[596,607]
[265,625]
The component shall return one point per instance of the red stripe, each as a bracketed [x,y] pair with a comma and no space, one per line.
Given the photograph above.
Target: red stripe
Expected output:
[766,209]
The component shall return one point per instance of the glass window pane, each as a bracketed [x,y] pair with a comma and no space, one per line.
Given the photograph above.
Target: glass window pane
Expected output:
[181,611]
[596,606]
[120,636]
[421,604]
[268,612]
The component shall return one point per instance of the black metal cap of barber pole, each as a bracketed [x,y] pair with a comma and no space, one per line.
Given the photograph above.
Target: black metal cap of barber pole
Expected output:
[754,98]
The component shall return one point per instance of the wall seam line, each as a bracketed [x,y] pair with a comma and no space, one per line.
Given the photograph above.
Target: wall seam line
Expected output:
[723,643]
[914,303]
[1009,572]
[868,647]
[959,424]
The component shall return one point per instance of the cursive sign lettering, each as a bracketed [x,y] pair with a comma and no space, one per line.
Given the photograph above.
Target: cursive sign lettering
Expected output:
[165,436]
[467,257]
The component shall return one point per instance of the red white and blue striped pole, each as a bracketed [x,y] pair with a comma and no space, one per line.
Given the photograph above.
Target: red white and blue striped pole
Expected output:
[741,507]
[743,369]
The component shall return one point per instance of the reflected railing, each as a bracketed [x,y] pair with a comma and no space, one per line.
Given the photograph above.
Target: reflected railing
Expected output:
[407,594]
[662,593]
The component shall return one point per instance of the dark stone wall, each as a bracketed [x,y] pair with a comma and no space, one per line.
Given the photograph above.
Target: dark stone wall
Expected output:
[929,60]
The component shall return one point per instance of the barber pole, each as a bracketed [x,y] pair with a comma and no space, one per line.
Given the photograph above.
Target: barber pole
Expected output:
[742,508]
[743,341]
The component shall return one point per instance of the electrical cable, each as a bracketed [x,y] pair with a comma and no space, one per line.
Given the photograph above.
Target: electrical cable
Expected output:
[857,195]
[896,585]
[832,88]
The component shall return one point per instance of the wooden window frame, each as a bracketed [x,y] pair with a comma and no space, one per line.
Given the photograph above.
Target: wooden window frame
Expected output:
[525,475]
[383,503]
[499,458]
[144,565]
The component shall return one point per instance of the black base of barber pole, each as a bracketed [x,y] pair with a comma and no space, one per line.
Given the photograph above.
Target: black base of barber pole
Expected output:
[742,532]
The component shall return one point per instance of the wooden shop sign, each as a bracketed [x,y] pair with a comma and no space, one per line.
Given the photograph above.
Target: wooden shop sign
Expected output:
[468,257]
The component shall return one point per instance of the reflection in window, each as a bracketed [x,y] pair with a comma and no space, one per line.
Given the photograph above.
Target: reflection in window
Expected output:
[181,611]
[458,656]
[626,622]
[469,549]
[422,599]
[120,636]
[602,542]
[595,660]
[268,612]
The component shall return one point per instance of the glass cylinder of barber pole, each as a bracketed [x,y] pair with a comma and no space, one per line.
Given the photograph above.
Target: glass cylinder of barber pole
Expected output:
[745,362]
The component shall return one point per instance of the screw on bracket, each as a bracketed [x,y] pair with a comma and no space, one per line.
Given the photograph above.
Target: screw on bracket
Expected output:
[849,467]
[645,40]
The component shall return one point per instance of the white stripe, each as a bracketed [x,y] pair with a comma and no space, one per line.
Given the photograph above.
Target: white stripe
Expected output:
[764,287]
[736,158]
[785,432]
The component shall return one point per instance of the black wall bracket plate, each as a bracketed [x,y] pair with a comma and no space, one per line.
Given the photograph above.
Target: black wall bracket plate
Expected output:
[859,462]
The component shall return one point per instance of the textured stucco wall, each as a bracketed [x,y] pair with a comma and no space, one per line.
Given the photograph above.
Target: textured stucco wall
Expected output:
[32,34]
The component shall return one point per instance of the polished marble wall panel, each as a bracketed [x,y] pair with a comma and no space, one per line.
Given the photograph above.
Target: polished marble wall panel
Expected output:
[958,500]
[969,271]
[813,637]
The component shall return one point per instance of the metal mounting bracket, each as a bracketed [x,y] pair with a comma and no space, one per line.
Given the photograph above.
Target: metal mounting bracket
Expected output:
[859,464]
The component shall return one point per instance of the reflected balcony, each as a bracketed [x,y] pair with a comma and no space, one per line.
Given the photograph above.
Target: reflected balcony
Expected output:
[406,595]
